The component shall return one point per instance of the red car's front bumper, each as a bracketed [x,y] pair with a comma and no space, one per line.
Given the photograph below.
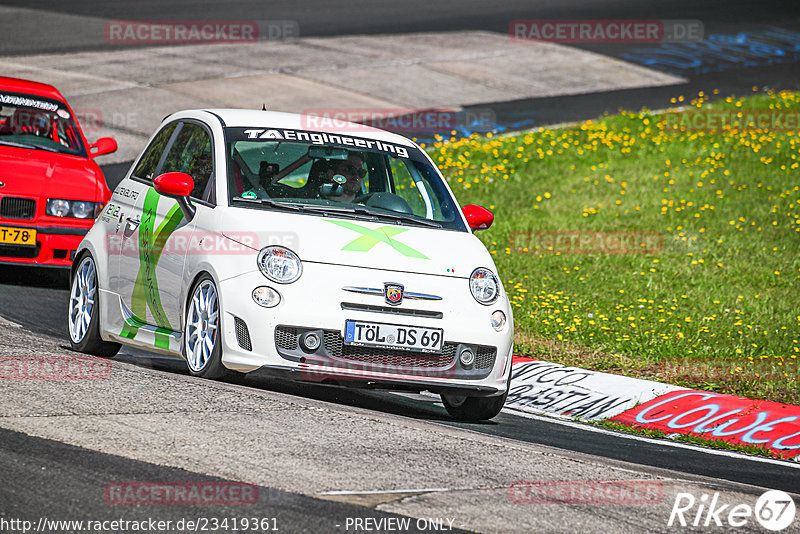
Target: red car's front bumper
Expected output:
[55,245]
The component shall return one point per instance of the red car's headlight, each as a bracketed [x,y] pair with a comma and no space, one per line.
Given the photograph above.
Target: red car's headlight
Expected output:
[78,209]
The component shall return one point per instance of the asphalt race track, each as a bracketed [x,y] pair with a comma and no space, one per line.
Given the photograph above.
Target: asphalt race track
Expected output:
[58,476]
[318,456]
[51,475]
[21,304]
[323,18]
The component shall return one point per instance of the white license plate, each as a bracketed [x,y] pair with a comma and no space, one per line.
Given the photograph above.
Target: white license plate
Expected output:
[395,336]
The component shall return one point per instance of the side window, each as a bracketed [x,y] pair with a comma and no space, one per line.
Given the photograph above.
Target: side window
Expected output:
[422,202]
[147,165]
[191,153]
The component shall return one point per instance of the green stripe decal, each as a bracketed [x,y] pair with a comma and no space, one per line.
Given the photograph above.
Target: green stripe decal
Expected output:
[145,288]
[162,338]
[128,331]
[371,237]
[131,327]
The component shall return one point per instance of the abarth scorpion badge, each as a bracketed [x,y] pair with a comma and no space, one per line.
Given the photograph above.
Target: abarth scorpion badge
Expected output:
[393,293]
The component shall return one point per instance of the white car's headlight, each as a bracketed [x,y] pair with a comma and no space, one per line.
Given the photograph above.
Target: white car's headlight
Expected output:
[279,264]
[484,285]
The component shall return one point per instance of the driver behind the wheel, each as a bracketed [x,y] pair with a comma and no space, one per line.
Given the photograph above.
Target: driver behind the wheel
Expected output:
[346,177]
[264,188]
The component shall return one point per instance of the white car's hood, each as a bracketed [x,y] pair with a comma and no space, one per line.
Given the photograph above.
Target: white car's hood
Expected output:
[353,242]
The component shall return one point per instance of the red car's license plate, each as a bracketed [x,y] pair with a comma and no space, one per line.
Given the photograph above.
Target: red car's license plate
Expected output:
[17,236]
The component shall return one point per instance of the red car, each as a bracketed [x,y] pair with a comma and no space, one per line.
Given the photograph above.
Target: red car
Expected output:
[51,190]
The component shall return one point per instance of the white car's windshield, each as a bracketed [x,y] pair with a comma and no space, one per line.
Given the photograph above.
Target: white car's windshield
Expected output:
[340,175]
[30,121]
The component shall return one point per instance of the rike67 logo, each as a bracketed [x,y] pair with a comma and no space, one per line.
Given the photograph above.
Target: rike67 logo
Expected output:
[774,510]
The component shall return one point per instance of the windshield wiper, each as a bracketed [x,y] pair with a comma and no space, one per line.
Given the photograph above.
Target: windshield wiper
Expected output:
[268,202]
[280,205]
[363,214]
[401,217]
[293,207]
[25,145]
[378,215]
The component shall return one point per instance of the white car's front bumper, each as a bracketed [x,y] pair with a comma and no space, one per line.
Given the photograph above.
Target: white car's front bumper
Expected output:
[317,301]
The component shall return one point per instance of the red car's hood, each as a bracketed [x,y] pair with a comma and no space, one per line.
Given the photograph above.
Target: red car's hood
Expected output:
[48,174]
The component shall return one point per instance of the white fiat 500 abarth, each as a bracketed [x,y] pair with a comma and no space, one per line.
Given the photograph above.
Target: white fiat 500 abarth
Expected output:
[243,240]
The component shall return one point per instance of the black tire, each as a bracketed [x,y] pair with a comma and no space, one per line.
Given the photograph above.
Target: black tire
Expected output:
[472,409]
[212,368]
[90,342]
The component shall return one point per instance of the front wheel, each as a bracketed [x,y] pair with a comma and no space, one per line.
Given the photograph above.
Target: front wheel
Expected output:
[471,409]
[202,346]
[84,312]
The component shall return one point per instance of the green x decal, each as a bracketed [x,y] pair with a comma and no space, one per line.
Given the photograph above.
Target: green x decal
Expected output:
[370,238]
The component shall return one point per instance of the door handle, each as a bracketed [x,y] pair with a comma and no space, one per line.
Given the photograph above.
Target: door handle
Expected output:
[130,227]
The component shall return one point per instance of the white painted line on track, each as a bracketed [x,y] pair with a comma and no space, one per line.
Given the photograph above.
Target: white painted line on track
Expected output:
[379,492]
[666,443]
[6,322]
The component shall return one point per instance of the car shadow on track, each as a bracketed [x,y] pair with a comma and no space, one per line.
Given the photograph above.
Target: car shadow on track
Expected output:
[423,408]
[378,400]
[36,298]
[42,277]
[427,408]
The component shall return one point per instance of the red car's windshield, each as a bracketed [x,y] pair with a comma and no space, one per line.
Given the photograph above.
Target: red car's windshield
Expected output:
[30,121]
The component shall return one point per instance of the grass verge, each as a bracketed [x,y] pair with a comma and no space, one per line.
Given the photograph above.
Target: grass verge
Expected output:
[649,245]
[688,438]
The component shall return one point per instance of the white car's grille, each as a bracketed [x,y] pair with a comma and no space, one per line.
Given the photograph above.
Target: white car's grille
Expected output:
[388,357]
[287,338]
[242,334]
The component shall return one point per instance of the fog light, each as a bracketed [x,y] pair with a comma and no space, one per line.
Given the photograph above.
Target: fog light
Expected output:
[310,341]
[498,320]
[467,357]
[266,297]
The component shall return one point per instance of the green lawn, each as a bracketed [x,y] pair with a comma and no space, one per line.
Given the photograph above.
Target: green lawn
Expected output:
[634,245]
